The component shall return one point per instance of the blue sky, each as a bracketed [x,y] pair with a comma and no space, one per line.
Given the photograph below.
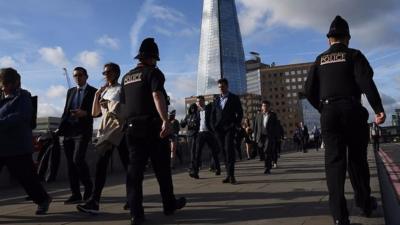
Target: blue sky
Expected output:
[39,38]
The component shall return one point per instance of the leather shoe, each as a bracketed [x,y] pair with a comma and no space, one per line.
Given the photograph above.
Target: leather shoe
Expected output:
[179,204]
[126,206]
[342,222]
[218,172]
[233,180]
[194,175]
[74,199]
[226,180]
[137,220]
[373,206]
[267,171]
[44,206]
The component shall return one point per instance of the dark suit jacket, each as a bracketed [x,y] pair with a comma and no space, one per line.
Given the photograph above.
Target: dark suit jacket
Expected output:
[84,124]
[229,117]
[272,126]
[208,110]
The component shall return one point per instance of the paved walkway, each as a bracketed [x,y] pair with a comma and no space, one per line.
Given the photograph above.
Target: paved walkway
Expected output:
[294,194]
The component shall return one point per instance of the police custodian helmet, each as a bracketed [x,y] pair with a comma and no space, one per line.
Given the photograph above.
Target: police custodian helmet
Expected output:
[339,28]
[148,49]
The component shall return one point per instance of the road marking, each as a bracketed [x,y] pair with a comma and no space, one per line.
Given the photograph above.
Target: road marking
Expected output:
[393,171]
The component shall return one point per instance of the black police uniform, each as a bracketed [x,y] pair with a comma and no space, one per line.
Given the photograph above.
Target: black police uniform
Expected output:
[334,86]
[142,135]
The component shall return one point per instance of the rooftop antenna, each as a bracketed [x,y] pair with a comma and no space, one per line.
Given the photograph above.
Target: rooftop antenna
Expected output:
[67,77]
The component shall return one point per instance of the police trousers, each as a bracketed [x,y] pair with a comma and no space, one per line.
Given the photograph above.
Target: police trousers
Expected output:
[345,133]
[140,150]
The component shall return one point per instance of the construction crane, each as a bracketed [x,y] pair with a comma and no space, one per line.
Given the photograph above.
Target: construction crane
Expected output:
[67,77]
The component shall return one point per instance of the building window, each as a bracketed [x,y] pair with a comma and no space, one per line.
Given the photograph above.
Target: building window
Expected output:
[287,80]
[294,94]
[305,78]
[288,87]
[305,71]
[299,79]
[292,72]
[286,73]
[299,86]
[293,79]
[294,87]
[298,72]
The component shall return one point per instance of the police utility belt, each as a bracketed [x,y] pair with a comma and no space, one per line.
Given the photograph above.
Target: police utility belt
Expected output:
[143,126]
[342,99]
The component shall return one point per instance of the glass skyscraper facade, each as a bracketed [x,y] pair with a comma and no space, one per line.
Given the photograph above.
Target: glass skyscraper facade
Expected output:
[221,49]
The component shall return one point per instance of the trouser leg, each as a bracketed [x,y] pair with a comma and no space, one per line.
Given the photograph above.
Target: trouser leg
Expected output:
[81,164]
[69,149]
[335,163]
[200,142]
[229,152]
[215,150]
[192,147]
[123,153]
[138,156]
[101,173]
[161,164]
[268,148]
[358,161]
[22,168]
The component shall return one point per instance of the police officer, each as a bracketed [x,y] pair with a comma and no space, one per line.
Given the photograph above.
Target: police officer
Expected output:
[334,86]
[145,104]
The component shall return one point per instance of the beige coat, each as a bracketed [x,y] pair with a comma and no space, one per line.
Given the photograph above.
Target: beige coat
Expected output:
[110,131]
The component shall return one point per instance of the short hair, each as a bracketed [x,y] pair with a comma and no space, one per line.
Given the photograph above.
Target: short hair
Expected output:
[82,70]
[223,80]
[114,67]
[200,97]
[9,76]
[268,103]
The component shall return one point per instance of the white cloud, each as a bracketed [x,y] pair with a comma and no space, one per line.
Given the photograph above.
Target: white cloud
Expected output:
[170,22]
[8,35]
[47,109]
[108,42]
[167,14]
[185,32]
[54,56]
[177,103]
[372,24]
[141,18]
[89,59]
[7,61]
[56,91]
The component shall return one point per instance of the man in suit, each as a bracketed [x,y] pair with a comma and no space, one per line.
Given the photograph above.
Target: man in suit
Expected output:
[226,115]
[265,133]
[77,127]
[205,135]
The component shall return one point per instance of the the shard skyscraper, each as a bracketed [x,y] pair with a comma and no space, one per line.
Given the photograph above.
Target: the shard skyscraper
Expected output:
[221,49]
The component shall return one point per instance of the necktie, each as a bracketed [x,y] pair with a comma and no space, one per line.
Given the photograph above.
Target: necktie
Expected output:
[78,101]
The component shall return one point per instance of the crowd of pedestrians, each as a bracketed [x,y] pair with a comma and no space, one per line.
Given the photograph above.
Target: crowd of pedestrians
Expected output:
[135,121]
